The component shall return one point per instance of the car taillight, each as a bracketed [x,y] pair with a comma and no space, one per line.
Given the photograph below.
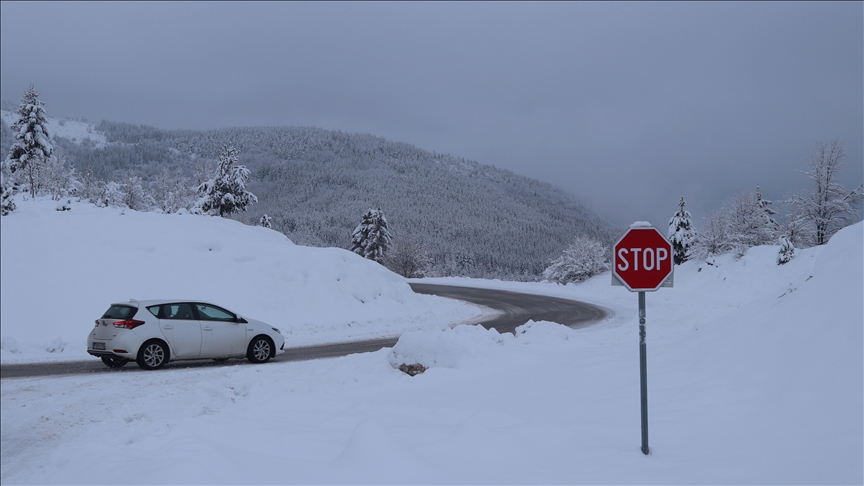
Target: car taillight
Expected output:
[129,323]
[97,322]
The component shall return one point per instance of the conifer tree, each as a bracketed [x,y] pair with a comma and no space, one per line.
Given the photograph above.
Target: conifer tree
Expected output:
[787,251]
[32,146]
[226,193]
[371,239]
[681,234]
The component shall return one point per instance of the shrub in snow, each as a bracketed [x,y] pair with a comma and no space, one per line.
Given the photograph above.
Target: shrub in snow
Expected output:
[171,191]
[132,194]
[408,258]
[9,344]
[226,192]
[713,239]
[32,146]
[787,251]
[57,345]
[828,207]
[371,239]
[583,259]
[7,189]
[266,221]
[681,234]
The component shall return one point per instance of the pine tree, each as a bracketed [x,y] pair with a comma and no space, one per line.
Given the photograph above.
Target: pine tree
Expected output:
[226,192]
[371,239]
[583,259]
[681,234]
[787,251]
[32,146]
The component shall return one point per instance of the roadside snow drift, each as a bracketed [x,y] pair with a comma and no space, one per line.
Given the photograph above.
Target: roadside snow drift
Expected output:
[60,271]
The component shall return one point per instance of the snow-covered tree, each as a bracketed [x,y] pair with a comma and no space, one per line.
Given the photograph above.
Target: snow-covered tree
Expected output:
[226,192]
[828,206]
[768,213]
[583,259]
[408,258]
[713,239]
[787,251]
[133,195]
[681,234]
[747,224]
[266,221]
[7,190]
[172,191]
[59,179]
[371,239]
[32,146]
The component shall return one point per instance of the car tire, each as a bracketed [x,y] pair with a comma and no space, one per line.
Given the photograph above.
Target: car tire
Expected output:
[152,355]
[114,361]
[260,350]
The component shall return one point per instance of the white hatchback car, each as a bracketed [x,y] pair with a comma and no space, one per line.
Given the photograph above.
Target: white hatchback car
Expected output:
[153,332]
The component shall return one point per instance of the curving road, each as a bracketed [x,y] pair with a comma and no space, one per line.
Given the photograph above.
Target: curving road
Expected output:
[517,308]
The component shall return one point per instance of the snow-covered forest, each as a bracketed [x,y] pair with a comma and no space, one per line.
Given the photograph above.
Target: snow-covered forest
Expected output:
[315,184]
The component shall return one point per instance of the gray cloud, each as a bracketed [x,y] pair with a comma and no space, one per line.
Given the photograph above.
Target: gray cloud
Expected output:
[627,105]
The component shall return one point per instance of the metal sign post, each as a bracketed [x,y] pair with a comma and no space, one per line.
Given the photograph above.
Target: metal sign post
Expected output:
[642,262]
[643,372]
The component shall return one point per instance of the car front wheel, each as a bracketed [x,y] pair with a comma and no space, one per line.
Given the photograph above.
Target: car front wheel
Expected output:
[114,361]
[260,350]
[152,355]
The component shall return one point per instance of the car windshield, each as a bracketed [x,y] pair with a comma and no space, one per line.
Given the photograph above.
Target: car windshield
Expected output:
[120,312]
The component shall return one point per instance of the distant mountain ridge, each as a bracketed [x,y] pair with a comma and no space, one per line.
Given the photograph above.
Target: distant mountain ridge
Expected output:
[475,219]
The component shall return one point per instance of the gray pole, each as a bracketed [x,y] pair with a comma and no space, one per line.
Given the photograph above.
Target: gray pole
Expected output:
[643,372]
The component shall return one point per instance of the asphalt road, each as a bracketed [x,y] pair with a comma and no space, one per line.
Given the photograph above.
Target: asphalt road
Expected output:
[517,309]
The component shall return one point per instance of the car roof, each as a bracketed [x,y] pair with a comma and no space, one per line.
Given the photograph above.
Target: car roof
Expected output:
[149,302]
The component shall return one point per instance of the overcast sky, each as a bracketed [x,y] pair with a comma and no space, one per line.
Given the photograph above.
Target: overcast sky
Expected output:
[627,105]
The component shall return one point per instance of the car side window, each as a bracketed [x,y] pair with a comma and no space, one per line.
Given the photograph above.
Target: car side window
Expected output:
[154,309]
[213,313]
[177,311]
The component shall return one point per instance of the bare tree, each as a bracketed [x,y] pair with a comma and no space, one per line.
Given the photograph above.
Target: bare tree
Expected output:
[828,207]
[407,257]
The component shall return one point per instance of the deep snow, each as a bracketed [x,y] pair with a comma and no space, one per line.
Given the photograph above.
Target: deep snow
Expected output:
[754,372]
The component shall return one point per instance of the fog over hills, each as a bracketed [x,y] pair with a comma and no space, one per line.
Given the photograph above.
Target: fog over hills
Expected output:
[475,220]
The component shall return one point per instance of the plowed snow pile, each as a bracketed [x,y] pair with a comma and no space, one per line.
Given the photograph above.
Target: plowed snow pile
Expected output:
[60,271]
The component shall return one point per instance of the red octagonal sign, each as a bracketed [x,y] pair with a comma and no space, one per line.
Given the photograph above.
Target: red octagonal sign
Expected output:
[642,259]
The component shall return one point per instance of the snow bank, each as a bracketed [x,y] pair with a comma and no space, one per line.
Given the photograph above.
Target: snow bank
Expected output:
[61,270]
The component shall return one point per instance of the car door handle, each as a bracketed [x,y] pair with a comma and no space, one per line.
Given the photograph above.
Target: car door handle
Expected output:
[167,326]
[207,328]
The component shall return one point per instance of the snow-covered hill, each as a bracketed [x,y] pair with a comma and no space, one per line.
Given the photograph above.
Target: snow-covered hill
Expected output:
[754,371]
[76,131]
[61,270]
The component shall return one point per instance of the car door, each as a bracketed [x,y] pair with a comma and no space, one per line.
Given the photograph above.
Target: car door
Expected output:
[221,334]
[181,329]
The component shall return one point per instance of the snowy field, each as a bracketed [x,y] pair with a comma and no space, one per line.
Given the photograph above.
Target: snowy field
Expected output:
[754,371]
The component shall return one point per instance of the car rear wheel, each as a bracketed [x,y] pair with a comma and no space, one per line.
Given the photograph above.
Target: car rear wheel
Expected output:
[152,355]
[114,361]
[260,350]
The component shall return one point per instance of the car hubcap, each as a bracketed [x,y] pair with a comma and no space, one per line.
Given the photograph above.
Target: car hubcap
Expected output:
[153,355]
[261,350]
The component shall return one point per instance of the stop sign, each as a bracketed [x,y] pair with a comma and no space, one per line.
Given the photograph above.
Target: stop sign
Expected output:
[642,258]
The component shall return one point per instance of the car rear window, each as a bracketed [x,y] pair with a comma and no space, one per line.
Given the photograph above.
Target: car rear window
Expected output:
[120,312]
